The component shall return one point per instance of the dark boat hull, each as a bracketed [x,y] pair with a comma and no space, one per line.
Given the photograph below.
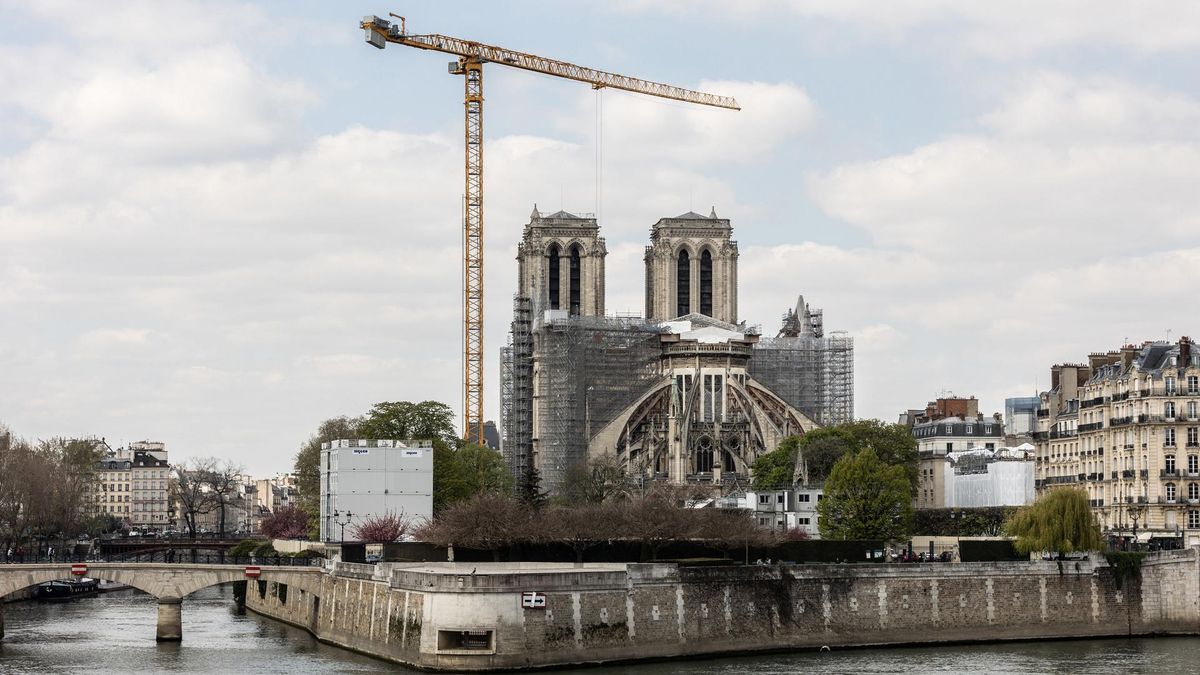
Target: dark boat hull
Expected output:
[67,589]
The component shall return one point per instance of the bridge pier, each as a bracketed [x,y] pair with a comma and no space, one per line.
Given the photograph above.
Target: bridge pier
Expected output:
[170,619]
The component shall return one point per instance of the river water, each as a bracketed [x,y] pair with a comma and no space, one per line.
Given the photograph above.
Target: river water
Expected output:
[114,633]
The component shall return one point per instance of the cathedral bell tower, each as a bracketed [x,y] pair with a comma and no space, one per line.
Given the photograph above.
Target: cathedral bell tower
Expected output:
[560,263]
[691,268]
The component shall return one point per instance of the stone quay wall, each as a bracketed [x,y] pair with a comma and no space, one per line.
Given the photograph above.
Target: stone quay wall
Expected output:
[469,617]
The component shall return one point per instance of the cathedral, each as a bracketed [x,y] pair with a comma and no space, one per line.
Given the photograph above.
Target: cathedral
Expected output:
[684,394]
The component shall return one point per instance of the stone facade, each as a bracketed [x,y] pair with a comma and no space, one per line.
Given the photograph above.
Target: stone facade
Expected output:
[560,264]
[1125,427]
[471,617]
[691,268]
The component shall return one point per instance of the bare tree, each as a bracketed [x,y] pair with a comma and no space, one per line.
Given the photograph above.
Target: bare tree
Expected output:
[596,481]
[224,479]
[487,521]
[581,527]
[189,490]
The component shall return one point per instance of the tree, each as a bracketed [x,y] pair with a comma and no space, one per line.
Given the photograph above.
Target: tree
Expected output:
[289,522]
[776,468]
[733,530]
[403,420]
[189,490]
[581,527]
[657,520]
[596,481]
[382,529]
[866,499]
[223,482]
[1060,521]
[529,488]
[463,472]
[308,465]
[488,521]
[893,444]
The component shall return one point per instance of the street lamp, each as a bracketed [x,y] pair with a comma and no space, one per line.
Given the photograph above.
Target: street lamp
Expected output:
[337,518]
[1134,514]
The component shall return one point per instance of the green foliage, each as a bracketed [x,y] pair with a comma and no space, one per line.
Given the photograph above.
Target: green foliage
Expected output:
[402,420]
[775,469]
[866,499]
[893,444]
[821,448]
[265,549]
[1125,565]
[244,547]
[1060,521]
[463,472]
[987,521]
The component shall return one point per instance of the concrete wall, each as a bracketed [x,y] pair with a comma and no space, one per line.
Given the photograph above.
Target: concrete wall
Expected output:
[613,613]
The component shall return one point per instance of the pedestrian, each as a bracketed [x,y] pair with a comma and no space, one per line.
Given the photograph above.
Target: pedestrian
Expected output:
[20,553]
[50,553]
[8,557]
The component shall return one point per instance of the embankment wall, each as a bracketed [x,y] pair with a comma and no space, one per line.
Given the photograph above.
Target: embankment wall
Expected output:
[470,616]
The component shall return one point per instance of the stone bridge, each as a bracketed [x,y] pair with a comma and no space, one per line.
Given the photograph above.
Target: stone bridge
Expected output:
[168,583]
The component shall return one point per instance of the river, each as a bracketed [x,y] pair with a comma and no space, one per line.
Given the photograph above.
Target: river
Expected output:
[114,633]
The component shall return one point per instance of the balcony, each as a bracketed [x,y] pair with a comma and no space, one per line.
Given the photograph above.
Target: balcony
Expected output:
[1062,434]
[1168,473]
[1093,426]
[1142,500]
[1095,502]
[1127,473]
[1144,473]
[1043,412]
[1119,421]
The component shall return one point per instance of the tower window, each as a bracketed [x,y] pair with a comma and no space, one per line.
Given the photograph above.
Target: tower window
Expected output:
[554,276]
[574,275]
[706,291]
[683,284]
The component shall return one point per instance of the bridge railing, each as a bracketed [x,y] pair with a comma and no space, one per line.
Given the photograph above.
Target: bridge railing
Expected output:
[182,557]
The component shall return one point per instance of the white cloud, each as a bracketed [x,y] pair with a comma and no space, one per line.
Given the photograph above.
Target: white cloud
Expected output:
[996,29]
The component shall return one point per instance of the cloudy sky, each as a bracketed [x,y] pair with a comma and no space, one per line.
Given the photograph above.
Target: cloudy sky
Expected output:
[223,222]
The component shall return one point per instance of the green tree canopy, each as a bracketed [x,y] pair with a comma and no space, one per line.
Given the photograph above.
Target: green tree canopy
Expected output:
[402,420]
[866,499]
[308,465]
[893,444]
[1060,521]
[775,469]
[466,471]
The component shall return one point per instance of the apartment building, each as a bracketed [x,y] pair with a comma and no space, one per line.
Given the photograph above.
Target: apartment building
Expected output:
[947,425]
[1125,427]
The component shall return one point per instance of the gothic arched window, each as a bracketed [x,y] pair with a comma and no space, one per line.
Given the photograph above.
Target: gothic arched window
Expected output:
[552,272]
[683,284]
[574,293]
[706,283]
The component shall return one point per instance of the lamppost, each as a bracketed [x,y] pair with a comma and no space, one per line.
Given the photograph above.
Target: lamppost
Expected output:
[337,518]
[1134,514]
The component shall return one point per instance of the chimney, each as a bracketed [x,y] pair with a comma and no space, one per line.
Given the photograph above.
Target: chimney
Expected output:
[1055,373]
[1185,351]
[1127,354]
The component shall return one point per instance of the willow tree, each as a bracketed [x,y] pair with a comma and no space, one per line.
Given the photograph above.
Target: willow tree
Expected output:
[1060,521]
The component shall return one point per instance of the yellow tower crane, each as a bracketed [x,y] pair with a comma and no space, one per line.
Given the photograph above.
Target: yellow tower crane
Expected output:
[471,57]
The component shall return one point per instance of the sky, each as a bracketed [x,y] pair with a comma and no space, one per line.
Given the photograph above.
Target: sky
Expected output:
[223,222]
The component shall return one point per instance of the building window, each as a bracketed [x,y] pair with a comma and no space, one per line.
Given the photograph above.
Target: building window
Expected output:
[949,447]
[1169,463]
[970,429]
[1170,487]
[987,429]
[1193,519]
[1193,384]
[706,279]
[553,274]
[1169,386]
[1193,439]
[764,499]
[803,521]
[1193,490]
[683,284]
[1193,464]
[1192,410]
[1169,437]
[574,277]
[1169,409]
[948,430]
[804,497]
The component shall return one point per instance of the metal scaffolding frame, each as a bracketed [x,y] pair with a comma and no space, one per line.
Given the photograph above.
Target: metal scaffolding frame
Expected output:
[516,390]
[813,374]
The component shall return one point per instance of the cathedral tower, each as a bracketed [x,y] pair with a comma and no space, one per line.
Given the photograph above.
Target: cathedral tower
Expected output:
[691,268]
[561,264]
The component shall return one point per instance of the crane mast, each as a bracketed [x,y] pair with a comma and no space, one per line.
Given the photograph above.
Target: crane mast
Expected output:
[471,57]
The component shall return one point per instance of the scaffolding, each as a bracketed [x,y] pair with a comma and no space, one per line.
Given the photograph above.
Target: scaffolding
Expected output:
[813,373]
[589,369]
[516,391]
